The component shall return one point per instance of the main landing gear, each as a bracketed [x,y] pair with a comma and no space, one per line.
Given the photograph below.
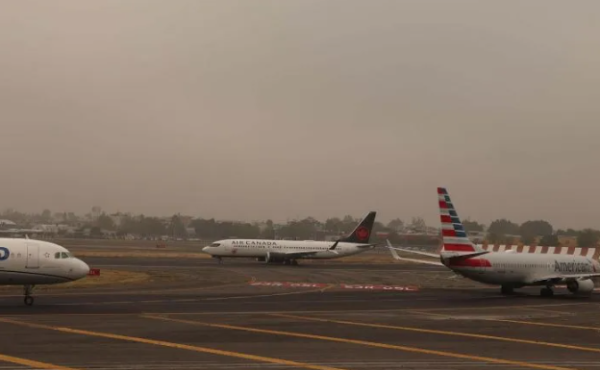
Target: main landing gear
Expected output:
[547,291]
[290,262]
[28,290]
[506,289]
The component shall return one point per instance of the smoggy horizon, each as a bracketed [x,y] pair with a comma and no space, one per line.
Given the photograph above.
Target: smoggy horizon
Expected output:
[266,109]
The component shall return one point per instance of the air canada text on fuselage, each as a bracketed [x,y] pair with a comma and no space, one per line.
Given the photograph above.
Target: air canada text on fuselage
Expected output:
[254,242]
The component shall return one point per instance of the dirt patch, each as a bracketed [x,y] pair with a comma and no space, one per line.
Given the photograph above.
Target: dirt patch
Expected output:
[106,278]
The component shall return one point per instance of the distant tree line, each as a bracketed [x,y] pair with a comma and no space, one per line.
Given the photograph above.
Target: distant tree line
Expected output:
[500,231]
[538,232]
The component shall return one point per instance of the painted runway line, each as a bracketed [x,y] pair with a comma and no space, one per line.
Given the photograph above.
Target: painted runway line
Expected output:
[281,284]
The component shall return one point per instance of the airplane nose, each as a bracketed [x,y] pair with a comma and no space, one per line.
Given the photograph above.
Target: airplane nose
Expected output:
[205,249]
[82,269]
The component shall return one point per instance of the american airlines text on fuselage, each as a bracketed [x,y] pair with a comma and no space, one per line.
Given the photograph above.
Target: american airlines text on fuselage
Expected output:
[572,267]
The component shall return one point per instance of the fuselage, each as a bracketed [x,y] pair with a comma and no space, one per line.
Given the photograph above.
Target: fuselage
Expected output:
[520,268]
[37,262]
[261,248]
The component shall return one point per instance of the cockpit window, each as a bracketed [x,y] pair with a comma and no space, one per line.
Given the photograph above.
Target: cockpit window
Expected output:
[64,255]
[215,244]
[57,255]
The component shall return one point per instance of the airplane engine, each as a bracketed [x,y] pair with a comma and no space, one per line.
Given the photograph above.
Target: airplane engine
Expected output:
[272,259]
[581,287]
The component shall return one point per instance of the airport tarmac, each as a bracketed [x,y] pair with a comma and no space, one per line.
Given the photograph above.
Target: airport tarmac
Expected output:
[249,315]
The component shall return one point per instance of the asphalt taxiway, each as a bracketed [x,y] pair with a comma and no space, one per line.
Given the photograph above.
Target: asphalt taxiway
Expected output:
[326,316]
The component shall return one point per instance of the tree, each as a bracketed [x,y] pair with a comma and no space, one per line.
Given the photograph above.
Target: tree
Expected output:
[549,241]
[417,225]
[46,216]
[348,224]
[503,227]
[301,230]
[105,222]
[536,228]
[177,228]
[396,225]
[269,231]
[334,225]
[472,225]
[588,238]
[378,226]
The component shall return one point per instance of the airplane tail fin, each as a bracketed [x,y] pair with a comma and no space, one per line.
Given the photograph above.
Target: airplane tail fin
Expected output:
[454,237]
[362,233]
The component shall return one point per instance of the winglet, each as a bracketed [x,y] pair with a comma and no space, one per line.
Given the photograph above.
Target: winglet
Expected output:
[392,250]
[334,245]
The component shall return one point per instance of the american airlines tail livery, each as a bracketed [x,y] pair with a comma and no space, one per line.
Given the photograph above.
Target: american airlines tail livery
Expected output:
[508,269]
[30,262]
[289,251]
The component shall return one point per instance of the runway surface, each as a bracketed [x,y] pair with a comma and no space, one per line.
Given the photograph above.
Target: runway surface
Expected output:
[244,315]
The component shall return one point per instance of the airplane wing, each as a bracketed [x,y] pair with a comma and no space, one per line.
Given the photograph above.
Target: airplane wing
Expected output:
[397,257]
[295,254]
[367,245]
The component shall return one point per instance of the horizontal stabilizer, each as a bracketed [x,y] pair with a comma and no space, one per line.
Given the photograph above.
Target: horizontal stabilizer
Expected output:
[433,255]
[397,257]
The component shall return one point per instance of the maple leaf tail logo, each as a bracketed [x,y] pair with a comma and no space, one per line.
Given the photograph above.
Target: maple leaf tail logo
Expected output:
[362,233]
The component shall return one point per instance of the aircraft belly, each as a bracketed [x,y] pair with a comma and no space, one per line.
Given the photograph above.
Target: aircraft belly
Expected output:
[16,278]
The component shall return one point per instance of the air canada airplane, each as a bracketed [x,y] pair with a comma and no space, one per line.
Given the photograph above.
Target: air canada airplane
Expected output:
[289,251]
[31,262]
[508,269]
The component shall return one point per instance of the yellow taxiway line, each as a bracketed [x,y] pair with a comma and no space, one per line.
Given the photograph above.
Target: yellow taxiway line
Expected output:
[34,364]
[578,327]
[366,343]
[443,332]
[166,344]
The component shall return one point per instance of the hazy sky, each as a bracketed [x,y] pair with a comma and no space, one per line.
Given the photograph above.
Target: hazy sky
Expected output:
[255,109]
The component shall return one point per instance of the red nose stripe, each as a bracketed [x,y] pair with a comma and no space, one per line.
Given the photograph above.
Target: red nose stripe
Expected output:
[459,248]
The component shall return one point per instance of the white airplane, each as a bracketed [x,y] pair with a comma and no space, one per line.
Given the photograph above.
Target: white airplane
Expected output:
[508,269]
[289,251]
[31,262]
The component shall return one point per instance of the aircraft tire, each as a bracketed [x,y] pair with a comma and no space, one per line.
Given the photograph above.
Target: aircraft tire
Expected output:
[546,292]
[28,301]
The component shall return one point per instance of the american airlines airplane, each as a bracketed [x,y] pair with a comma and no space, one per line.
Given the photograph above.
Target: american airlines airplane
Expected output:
[508,269]
[31,262]
[289,251]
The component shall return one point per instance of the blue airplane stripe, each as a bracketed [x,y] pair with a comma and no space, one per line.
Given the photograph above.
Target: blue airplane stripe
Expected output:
[461,234]
[458,227]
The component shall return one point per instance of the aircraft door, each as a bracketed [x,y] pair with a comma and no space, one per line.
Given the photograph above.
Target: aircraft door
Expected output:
[33,256]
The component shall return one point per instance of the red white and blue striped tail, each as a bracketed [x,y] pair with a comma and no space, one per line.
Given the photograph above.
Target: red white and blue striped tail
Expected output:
[454,236]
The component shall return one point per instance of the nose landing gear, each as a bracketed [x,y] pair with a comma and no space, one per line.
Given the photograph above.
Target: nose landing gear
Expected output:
[27,291]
